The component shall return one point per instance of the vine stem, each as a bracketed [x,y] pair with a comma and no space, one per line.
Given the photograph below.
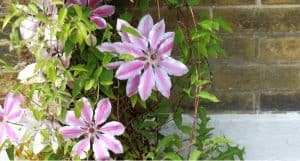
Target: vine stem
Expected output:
[158,9]
[198,88]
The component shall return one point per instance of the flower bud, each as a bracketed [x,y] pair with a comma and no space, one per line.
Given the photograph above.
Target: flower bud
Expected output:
[91,40]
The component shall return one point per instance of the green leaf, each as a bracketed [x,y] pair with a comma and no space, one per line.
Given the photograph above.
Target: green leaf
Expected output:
[144,5]
[193,2]
[195,155]
[89,84]
[62,15]
[78,10]
[208,96]
[173,156]
[77,109]
[10,152]
[131,31]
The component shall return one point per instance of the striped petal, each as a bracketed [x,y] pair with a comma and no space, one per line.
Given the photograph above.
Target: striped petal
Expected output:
[99,21]
[15,115]
[106,47]
[162,82]
[132,85]
[140,43]
[12,102]
[166,47]
[2,134]
[12,134]
[100,150]
[145,25]
[146,83]
[103,111]
[165,36]
[130,69]
[72,120]
[81,148]
[114,65]
[155,33]
[173,67]
[113,128]
[104,11]
[121,23]
[87,111]
[127,48]
[71,131]
[112,143]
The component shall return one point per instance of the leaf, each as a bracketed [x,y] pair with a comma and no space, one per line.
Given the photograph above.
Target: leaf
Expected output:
[144,5]
[89,84]
[131,31]
[193,2]
[173,156]
[10,152]
[208,96]
[62,15]
[195,155]
[78,10]
[77,109]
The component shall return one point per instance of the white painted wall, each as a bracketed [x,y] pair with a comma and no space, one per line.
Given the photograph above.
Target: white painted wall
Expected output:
[265,136]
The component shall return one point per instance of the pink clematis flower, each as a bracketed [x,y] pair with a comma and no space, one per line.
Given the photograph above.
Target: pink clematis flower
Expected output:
[11,112]
[151,48]
[102,136]
[98,12]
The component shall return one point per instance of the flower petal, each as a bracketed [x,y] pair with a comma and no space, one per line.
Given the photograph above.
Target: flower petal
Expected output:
[121,23]
[99,21]
[106,47]
[166,47]
[104,11]
[103,111]
[140,43]
[130,69]
[100,150]
[2,134]
[155,33]
[15,115]
[87,111]
[127,48]
[114,65]
[124,36]
[29,27]
[162,82]
[12,134]
[72,120]
[146,83]
[94,3]
[132,85]
[71,131]
[81,148]
[145,25]
[173,67]
[12,102]
[113,128]
[112,143]
[165,36]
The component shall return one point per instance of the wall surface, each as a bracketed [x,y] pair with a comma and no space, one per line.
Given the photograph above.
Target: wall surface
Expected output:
[264,136]
[262,70]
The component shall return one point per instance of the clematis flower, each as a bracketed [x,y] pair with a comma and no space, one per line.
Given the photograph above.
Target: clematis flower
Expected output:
[98,12]
[10,113]
[151,48]
[102,136]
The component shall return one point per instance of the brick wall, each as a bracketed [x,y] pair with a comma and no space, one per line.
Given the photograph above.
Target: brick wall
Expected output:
[262,70]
